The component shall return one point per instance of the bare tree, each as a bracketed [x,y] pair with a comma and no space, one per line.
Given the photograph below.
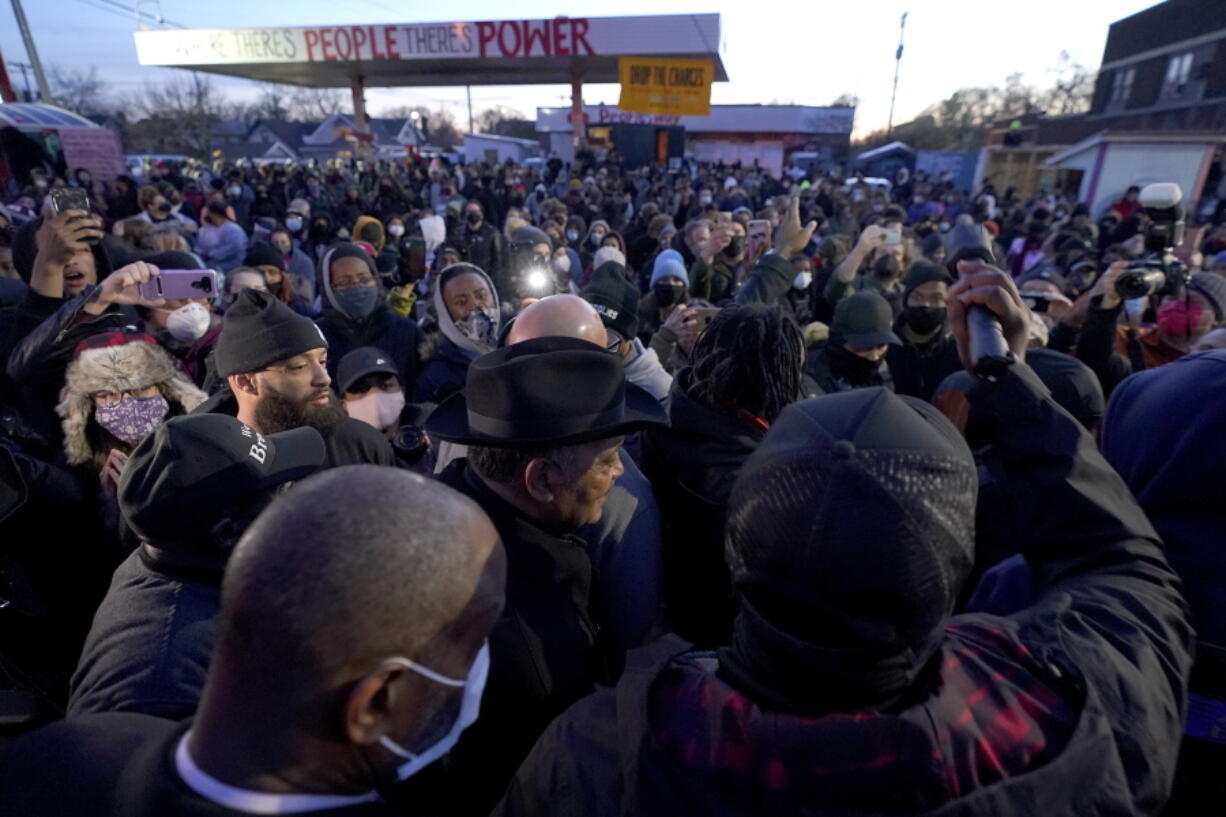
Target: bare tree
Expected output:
[845,100]
[273,103]
[488,120]
[1072,89]
[316,104]
[174,117]
[80,91]
[439,125]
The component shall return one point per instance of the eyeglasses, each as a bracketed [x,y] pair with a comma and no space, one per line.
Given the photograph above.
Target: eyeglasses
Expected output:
[106,398]
[350,283]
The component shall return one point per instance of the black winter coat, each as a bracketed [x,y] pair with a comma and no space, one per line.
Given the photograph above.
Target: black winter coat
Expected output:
[445,373]
[918,370]
[546,650]
[692,464]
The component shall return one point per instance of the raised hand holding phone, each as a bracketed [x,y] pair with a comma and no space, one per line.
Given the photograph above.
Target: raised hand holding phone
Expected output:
[123,287]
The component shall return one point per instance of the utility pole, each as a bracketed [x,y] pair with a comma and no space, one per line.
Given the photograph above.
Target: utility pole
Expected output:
[43,88]
[902,28]
[469,90]
[25,80]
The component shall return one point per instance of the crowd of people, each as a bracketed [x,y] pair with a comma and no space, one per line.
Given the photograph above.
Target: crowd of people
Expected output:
[586,489]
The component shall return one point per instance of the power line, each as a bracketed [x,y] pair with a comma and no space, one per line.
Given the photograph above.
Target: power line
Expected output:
[119,9]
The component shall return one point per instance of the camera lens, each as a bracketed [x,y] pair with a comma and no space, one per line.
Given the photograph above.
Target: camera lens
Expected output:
[1139,283]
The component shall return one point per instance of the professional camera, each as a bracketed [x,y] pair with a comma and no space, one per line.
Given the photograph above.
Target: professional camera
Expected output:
[1159,272]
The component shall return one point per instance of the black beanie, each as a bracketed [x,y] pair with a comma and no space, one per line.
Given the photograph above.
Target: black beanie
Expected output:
[347,249]
[923,272]
[262,253]
[172,259]
[260,330]
[615,298]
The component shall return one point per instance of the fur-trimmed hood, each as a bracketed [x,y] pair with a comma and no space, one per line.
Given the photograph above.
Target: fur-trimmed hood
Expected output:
[136,364]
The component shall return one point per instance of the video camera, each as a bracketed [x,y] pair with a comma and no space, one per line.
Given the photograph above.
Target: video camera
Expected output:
[1159,272]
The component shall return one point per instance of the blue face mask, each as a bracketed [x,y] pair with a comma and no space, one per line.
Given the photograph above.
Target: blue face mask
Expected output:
[293,224]
[357,302]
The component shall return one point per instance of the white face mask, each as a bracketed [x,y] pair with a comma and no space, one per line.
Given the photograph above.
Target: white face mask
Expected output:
[596,238]
[378,409]
[474,687]
[235,190]
[189,322]
[561,263]
[395,230]
[802,280]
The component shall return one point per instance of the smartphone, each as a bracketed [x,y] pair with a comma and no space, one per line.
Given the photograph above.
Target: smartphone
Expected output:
[69,198]
[705,315]
[180,283]
[893,235]
[413,250]
[759,236]
[724,216]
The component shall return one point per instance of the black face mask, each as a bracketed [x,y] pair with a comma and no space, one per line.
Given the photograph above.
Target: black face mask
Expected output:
[668,294]
[472,218]
[924,319]
[856,370]
[163,208]
[735,247]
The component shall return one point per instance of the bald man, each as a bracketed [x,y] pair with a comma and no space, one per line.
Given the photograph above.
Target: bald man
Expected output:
[567,316]
[351,654]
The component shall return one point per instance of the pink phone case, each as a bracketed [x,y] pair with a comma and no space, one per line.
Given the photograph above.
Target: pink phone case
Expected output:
[180,283]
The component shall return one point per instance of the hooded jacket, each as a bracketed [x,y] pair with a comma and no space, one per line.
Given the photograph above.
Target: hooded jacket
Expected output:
[394,334]
[1166,445]
[1166,449]
[692,465]
[1070,707]
[446,369]
[380,236]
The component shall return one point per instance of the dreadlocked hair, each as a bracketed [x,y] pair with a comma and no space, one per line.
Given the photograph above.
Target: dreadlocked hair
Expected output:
[750,357]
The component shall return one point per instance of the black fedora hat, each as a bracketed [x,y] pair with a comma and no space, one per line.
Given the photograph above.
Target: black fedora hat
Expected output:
[544,391]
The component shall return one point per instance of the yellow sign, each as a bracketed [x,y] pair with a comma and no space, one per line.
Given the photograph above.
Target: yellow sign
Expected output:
[677,87]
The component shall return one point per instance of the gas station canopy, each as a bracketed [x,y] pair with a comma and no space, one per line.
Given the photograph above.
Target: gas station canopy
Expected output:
[497,52]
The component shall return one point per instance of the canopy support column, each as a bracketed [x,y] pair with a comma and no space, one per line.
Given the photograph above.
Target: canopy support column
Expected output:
[577,125]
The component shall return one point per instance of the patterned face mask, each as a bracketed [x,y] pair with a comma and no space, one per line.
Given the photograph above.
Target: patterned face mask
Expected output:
[132,418]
